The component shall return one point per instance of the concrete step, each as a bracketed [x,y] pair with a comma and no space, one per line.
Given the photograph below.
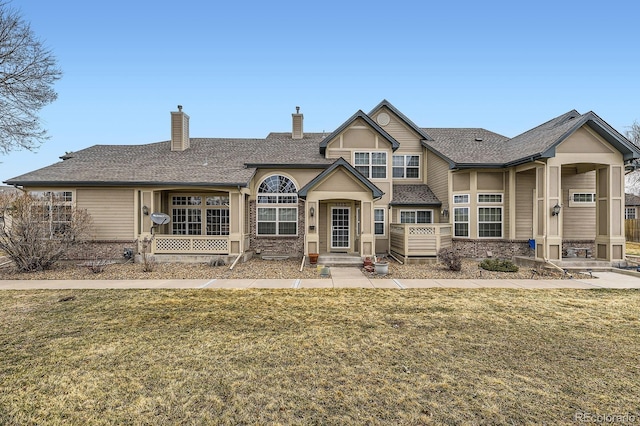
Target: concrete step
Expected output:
[339,260]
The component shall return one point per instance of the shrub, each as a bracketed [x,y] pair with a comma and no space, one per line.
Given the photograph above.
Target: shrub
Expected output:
[498,265]
[450,259]
[38,230]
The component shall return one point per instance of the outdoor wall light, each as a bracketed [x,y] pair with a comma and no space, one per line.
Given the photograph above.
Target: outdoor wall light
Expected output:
[445,212]
[145,210]
[555,210]
[312,211]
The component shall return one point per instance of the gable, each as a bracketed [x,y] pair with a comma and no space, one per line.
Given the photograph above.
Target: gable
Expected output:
[336,181]
[584,141]
[358,121]
[409,139]
[341,181]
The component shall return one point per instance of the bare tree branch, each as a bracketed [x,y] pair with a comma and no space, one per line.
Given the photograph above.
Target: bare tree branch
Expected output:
[632,180]
[28,72]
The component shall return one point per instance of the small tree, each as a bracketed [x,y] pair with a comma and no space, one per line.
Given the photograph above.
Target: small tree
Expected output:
[37,231]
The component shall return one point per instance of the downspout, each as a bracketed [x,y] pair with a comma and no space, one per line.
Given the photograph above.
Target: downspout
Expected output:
[235,261]
[547,261]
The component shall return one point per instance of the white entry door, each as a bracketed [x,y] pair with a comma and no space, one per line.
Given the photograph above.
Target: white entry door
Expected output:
[340,227]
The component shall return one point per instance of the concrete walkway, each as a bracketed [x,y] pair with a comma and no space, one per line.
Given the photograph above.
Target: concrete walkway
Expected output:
[340,278]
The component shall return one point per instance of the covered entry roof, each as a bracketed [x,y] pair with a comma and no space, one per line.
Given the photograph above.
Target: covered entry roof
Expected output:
[341,162]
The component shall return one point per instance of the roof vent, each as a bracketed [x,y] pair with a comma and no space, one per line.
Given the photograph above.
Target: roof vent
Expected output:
[478,139]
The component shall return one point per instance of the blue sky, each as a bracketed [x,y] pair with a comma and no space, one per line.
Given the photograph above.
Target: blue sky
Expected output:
[240,68]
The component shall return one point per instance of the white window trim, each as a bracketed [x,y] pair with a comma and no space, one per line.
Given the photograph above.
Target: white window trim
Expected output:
[453,199]
[348,247]
[468,222]
[50,193]
[404,167]
[490,206]
[384,222]
[371,165]
[491,202]
[635,212]
[203,207]
[277,206]
[416,212]
[573,203]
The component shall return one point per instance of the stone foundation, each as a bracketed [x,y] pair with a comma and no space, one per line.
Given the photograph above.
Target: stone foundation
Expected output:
[569,246]
[478,249]
[276,246]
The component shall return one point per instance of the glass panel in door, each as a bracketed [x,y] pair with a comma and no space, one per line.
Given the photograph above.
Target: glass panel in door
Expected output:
[340,227]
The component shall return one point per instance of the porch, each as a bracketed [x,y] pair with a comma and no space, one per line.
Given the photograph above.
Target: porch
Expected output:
[419,240]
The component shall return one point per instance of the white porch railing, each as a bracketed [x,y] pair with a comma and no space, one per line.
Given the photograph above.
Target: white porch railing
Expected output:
[188,244]
[423,239]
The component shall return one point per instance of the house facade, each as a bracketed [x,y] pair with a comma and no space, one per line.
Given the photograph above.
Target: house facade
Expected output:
[377,184]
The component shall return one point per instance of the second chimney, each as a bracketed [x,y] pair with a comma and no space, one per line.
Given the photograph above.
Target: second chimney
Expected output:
[297,132]
[179,130]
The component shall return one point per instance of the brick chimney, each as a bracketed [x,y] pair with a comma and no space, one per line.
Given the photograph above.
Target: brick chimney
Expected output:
[297,124]
[179,130]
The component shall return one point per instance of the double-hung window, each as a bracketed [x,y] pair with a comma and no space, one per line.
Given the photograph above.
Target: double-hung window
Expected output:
[277,206]
[416,216]
[461,215]
[406,166]
[372,165]
[489,215]
[378,221]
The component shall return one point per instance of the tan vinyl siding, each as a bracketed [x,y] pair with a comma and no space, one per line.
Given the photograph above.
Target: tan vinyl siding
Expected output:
[438,180]
[578,222]
[525,182]
[337,153]
[408,139]
[111,210]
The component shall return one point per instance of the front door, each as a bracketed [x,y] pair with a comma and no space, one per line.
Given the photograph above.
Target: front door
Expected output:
[340,228]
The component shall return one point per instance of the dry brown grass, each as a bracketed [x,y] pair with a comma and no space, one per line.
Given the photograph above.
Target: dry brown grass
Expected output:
[317,356]
[633,248]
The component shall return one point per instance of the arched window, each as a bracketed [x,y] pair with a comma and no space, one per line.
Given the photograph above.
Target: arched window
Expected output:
[277,206]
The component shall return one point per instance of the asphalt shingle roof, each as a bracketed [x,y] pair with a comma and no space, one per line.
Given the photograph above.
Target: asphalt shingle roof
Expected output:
[211,161]
[631,200]
[206,162]
[466,145]
[417,194]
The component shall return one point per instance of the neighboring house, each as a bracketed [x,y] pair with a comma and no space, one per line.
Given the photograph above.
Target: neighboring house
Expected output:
[631,204]
[377,184]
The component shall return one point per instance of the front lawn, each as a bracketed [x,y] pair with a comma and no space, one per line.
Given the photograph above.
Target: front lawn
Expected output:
[318,356]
